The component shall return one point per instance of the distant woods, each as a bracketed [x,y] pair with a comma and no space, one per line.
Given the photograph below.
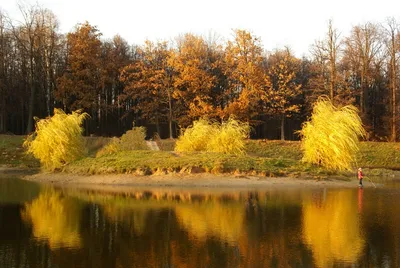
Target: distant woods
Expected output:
[165,86]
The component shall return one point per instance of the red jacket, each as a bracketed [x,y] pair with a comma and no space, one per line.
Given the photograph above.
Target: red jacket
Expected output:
[360,175]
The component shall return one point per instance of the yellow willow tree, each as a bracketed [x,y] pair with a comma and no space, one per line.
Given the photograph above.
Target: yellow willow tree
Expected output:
[332,229]
[330,137]
[58,139]
[247,83]
[55,218]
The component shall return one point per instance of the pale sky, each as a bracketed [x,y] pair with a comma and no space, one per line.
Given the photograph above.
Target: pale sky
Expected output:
[296,24]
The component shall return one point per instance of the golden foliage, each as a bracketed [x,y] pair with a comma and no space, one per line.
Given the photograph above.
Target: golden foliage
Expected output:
[332,230]
[285,89]
[134,219]
[212,219]
[247,82]
[57,140]
[54,218]
[228,137]
[330,138]
[196,137]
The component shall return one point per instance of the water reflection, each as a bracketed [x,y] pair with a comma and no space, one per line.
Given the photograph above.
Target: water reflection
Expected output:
[54,218]
[331,227]
[66,227]
[213,218]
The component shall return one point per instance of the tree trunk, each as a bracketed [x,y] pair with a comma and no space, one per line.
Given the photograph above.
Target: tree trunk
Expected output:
[170,115]
[29,128]
[157,126]
[283,128]
[393,86]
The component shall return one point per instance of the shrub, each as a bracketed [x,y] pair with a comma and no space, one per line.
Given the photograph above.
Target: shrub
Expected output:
[111,148]
[132,140]
[228,137]
[58,139]
[196,137]
[330,138]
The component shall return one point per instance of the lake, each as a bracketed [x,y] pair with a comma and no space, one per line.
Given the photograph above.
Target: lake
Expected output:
[45,226]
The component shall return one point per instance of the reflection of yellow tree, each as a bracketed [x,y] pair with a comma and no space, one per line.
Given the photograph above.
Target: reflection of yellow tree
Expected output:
[55,218]
[212,219]
[332,229]
[134,218]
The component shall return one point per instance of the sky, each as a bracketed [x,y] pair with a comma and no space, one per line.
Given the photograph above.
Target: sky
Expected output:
[293,23]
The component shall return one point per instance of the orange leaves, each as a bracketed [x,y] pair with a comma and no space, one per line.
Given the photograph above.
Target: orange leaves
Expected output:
[248,84]
[285,88]
[147,81]
[193,79]
[78,88]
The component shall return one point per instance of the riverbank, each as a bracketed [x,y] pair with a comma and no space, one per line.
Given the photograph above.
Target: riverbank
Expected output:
[203,180]
[263,159]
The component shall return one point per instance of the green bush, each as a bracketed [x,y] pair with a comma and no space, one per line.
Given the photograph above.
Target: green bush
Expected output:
[134,139]
[57,140]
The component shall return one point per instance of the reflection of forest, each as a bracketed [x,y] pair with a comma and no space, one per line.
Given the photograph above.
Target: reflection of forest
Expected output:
[177,229]
[191,230]
[331,228]
[55,219]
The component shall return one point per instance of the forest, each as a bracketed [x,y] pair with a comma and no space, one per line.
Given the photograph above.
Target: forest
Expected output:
[166,85]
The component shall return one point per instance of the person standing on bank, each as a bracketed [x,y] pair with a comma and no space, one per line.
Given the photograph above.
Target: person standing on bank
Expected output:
[360,176]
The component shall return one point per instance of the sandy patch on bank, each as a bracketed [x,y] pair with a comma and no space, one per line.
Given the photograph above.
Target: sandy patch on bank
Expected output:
[185,180]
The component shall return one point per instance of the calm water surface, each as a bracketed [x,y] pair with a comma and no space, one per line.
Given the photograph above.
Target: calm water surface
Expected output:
[43,226]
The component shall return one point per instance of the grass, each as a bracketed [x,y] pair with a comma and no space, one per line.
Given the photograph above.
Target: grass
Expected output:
[13,155]
[270,158]
[149,162]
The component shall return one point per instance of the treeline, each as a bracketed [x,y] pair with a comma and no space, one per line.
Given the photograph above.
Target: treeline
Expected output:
[166,85]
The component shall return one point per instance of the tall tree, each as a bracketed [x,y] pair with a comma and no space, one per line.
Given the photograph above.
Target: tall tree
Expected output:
[116,54]
[80,85]
[193,78]
[3,72]
[392,30]
[327,52]
[285,86]
[148,83]
[247,86]
[362,46]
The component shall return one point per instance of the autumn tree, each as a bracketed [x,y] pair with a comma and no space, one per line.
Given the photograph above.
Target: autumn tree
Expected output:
[79,87]
[193,78]
[116,54]
[148,83]
[247,85]
[285,87]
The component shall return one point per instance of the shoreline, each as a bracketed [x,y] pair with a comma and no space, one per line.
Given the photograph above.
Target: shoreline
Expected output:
[199,180]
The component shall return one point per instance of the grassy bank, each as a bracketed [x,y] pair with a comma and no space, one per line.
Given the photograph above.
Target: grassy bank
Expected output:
[13,155]
[266,158]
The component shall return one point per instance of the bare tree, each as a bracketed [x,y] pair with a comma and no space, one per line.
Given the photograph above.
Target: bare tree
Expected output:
[363,45]
[392,31]
[327,52]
